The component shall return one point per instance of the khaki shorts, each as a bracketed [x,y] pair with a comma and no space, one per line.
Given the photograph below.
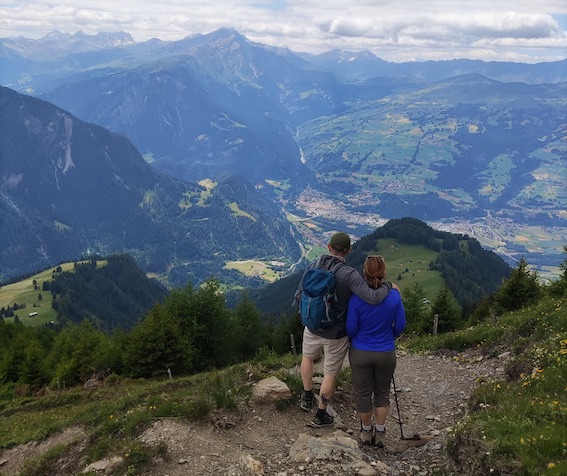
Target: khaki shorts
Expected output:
[334,351]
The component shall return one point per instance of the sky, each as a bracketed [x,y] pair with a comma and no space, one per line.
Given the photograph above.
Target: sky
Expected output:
[526,31]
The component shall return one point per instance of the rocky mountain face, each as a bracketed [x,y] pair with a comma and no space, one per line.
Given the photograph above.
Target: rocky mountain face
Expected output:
[69,188]
[203,108]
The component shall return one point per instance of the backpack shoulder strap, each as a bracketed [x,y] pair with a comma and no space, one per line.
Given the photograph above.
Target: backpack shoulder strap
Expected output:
[337,263]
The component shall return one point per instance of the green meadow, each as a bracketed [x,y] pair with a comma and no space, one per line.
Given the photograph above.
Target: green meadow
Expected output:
[254,268]
[409,264]
[24,292]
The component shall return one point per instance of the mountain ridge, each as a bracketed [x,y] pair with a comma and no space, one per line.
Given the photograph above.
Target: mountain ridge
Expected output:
[463,151]
[353,64]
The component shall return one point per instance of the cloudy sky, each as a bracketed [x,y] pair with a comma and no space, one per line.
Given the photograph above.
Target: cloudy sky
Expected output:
[395,30]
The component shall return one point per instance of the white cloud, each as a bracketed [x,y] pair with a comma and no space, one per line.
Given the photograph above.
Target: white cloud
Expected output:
[393,30]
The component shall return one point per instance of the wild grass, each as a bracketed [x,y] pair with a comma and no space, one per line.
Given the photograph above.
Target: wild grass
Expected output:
[43,465]
[411,264]
[516,426]
[114,415]
[477,336]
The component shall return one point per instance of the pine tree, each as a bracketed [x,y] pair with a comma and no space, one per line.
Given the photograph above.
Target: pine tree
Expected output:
[215,330]
[559,287]
[75,354]
[416,310]
[520,289]
[447,310]
[156,345]
[205,323]
[33,371]
[251,333]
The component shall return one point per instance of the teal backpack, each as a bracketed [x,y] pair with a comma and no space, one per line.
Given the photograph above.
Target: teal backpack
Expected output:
[317,295]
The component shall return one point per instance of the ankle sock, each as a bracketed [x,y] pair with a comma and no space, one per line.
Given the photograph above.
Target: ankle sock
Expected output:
[320,413]
[367,427]
[380,428]
[308,393]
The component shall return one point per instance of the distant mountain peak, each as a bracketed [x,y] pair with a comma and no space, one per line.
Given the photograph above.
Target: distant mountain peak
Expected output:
[227,34]
[55,35]
[56,43]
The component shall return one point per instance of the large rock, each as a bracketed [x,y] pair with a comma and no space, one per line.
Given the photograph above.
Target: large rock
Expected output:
[105,465]
[337,447]
[270,390]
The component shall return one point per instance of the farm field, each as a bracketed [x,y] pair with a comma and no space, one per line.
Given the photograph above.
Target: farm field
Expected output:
[254,268]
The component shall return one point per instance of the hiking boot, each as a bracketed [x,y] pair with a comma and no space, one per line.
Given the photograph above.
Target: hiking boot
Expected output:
[318,422]
[379,437]
[365,437]
[306,402]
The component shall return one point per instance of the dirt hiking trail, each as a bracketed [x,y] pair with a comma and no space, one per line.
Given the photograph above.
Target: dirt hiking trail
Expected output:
[260,440]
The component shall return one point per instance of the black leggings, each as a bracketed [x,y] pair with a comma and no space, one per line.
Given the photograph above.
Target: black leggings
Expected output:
[371,374]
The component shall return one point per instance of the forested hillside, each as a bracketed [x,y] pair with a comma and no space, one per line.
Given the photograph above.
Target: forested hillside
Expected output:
[117,295]
[469,271]
[82,190]
[438,272]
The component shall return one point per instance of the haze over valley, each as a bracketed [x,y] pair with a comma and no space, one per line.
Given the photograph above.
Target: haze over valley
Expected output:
[256,153]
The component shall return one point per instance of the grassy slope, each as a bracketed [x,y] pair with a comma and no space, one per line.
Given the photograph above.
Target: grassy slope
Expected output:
[23,292]
[414,259]
[517,426]
[114,414]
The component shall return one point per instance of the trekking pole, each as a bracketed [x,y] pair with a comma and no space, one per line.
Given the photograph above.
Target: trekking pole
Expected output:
[402,437]
[398,407]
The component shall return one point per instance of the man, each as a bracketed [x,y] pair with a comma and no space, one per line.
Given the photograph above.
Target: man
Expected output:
[333,342]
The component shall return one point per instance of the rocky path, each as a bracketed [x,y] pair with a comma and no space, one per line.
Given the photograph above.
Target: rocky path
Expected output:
[260,440]
[432,394]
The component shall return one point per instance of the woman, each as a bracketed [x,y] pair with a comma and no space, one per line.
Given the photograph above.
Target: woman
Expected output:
[373,330]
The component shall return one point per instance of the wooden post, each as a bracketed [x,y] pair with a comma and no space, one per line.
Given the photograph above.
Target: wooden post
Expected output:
[169,373]
[293,349]
[435,323]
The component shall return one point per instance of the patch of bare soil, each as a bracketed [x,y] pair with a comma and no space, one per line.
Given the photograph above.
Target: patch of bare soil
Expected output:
[13,460]
[432,394]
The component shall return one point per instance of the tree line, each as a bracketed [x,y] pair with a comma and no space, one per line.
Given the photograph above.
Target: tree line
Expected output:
[194,330]
[118,294]
[191,331]
[522,288]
